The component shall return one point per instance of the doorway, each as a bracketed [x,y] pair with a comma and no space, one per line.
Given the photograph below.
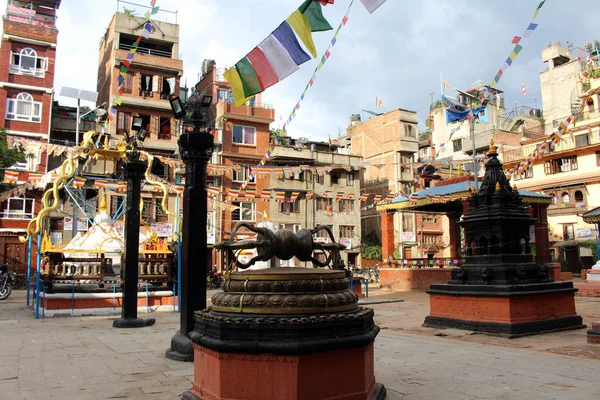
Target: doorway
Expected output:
[572,257]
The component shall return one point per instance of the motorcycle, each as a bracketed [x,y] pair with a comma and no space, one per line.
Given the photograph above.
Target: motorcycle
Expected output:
[7,279]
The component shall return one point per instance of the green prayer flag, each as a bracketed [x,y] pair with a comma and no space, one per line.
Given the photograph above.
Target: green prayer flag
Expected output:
[518,48]
[323,59]
[250,81]
[314,13]
[155,10]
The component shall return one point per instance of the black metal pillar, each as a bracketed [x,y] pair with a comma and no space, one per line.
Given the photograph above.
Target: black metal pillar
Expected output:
[134,173]
[196,150]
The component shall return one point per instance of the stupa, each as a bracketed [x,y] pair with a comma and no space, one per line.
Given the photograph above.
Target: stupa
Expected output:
[498,288]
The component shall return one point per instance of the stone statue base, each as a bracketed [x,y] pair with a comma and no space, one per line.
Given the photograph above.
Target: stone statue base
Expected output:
[132,322]
[181,348]
[285,333]
[506,310]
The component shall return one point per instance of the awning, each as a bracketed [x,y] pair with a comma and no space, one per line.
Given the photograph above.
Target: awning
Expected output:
[592,216]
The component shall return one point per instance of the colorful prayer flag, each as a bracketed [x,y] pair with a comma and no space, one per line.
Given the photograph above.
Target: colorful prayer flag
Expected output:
[248,77]
[285,35]
[281,61]
[378,102]
[264,71]
[11,176]
[372,5]
[300,25]
[314,14]
[523,91]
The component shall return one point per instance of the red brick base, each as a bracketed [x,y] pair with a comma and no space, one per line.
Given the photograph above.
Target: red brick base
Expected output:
[588,289]
[413,278]
[593,335]
[510,309]
[85,303]
[340,374]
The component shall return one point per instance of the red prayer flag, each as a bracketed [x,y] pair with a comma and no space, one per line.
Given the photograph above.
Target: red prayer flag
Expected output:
[516,40]
[264,71]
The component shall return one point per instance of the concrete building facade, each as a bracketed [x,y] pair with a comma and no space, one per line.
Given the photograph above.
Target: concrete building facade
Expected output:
[388,144]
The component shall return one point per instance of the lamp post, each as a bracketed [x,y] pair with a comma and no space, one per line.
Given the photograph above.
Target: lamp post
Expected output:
[134,173]
[196,150]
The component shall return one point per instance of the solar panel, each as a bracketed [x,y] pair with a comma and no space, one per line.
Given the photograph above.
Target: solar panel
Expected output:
[85,95]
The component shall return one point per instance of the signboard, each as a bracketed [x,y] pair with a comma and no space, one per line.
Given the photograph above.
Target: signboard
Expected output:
[409,236]
[346,242]
[82,224]
[532,234]
[322,240]
[584,233]
[162,230]
[210,237]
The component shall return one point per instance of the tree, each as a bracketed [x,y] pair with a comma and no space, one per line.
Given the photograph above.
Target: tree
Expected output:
[8,157]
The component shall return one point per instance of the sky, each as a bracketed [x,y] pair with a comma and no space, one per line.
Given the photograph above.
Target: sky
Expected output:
[398,53]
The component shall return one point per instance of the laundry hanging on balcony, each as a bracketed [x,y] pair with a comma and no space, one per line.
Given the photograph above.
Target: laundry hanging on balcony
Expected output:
[280,54]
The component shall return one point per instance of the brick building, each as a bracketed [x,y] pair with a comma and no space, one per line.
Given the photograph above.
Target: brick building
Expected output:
[241,139]
[27,55]
[152,79]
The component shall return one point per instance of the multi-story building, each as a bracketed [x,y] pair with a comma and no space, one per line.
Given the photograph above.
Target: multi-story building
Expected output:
[325,196]
[388,144]
[152,79]
[27,54]
[570,174]
[241,140]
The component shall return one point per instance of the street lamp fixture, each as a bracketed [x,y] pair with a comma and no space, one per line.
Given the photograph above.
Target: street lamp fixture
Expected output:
[177,107]
[206,101]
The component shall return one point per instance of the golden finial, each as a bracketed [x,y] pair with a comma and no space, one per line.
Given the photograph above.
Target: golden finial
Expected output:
[492,147]
[497,185]
[106,142]
[102,202]
[515,187]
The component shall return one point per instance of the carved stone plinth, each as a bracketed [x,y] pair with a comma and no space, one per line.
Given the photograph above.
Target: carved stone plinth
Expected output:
[285,333]
[498,288]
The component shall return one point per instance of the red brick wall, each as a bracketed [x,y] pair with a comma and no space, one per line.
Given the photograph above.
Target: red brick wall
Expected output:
[412,279]
[24,126]
[387,234]
[46,34]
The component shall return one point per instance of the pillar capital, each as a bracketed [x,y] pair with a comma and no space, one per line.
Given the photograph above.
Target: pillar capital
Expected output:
[195,146]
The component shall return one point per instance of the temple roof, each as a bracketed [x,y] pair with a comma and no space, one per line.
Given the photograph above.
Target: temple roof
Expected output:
[592,216]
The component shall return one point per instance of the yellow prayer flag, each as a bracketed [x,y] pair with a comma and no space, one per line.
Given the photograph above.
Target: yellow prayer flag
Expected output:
[233,77]
[301,26]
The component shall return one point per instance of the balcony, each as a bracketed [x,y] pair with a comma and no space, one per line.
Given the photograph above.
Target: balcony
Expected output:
[67,124]
[261,113]
[32,14]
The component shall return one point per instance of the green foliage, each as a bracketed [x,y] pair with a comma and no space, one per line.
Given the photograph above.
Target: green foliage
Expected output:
[284,140]
[129,13]
[564,264]
[8,157]
[371,252]
[595,73]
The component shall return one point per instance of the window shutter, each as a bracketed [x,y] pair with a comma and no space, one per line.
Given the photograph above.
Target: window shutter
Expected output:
[155,80]
[45,63]
[154,123]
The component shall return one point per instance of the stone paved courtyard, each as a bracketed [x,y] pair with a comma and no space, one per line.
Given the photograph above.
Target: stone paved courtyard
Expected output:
[85,358]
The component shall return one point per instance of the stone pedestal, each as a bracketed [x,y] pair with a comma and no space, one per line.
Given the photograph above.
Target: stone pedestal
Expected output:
[593,335]
[499,289]
[285,333]
[593,275]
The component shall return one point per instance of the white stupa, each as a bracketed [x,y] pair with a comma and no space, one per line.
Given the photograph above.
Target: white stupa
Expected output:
[101,236]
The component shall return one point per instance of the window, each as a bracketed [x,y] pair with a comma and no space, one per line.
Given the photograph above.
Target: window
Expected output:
[244,135]
[407,223]
[123,122]
[117,203]
[525,175]
[225,96]
[18,208]
[165,128]
[554,198]
[324,204]
[168,88]
[568,232]
[457,145]
[598,158]
[347,231]
[323,233]
[346,205]
[350,179]
[579,196]
[430,219]
[128,84]
[161,215]
[242,174]
[320,179]
[582,140]
[26,62]
[335,179]
[404,161]
[292,227]
[244,211]
[410,131]
[565,198]
[148,84]
[287,206]
[559,165]
[148,210]
[23,108]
